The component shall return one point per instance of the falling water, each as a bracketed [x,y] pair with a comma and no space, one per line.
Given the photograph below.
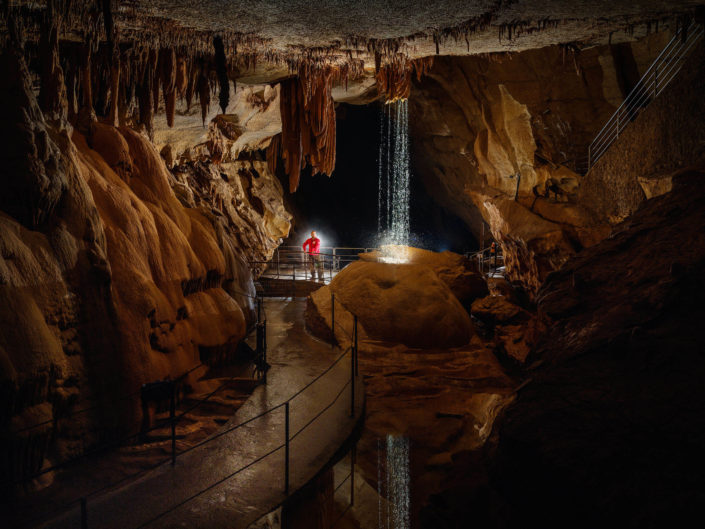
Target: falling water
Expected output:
[393,192]
[396,485]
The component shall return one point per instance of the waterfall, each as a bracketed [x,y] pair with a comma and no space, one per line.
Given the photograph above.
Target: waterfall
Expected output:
[393,189]
[395,484]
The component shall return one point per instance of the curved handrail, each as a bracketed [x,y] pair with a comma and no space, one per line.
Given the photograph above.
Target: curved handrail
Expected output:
[351,350]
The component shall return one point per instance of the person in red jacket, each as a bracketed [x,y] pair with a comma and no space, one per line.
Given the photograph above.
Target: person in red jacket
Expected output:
[313,254]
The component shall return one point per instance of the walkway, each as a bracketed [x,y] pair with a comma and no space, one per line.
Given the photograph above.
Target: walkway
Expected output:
[204,489]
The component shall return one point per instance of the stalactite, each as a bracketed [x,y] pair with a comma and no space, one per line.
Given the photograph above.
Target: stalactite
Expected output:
[86,85]
[156,80]
[52,94]
[308,123]
[167,72]
[291,101]
[273,153]
[221,69]
[181,76]
[204,92]
[114,87]
[70,79]
[193,75]
[145,92]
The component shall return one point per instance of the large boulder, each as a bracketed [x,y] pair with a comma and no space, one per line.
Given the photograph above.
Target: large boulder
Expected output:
[399,303]
[455,270]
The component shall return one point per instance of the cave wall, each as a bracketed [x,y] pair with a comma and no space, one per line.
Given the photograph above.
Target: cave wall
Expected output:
[489,132]
[665,137]
[608,429]
[114,271]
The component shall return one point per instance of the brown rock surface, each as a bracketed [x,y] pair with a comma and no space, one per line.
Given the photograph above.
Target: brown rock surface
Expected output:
[490,133]
[667,136]
[455,270]
[515,330]
[614,407]
[107,279]
[399,303]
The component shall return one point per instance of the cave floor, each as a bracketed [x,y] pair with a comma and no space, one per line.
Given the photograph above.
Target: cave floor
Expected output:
[206,487]
[445,401]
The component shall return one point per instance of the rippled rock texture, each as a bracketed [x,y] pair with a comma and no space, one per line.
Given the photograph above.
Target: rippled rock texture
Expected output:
[113,272]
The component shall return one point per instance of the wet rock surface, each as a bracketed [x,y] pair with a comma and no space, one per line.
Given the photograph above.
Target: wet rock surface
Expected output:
[444,401]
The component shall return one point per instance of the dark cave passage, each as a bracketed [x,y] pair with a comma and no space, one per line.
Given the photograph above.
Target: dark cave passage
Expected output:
[343,208]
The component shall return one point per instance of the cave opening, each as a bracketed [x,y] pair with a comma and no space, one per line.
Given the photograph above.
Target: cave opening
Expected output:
[344,208]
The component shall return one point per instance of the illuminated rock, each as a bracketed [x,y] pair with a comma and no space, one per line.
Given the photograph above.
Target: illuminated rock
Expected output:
[399,303]
[455,270]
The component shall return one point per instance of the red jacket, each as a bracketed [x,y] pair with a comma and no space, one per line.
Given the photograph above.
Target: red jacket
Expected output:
[314,245]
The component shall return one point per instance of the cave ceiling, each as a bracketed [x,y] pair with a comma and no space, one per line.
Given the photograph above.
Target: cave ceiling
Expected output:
[419,28]
[275,36]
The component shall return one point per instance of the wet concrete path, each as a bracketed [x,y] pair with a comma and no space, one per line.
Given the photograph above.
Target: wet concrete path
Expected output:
[204,489]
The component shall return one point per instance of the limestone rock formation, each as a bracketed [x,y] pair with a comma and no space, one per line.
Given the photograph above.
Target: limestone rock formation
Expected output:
[113,272]
[665,137]
[456,271]
[613,407]
[514,329]
[399,303]
[501,141]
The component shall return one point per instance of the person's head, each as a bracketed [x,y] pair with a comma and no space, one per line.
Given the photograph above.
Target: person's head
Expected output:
[313,234]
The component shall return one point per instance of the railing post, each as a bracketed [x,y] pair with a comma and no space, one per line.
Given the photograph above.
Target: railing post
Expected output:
[293,281]
[355,342]
[277,263]
[84,514]
[332,263]
[589,157]
[286,447]
[352,473]
[332,320]
[264,358]
[352,382]
[172,417]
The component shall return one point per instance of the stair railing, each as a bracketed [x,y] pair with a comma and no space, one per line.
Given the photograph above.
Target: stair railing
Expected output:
[661,72]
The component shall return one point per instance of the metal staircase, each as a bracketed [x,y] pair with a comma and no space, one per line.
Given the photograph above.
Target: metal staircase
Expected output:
[661,72]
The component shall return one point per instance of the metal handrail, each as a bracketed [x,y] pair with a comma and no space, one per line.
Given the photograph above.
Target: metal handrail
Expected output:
[659,75]
[352,350]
